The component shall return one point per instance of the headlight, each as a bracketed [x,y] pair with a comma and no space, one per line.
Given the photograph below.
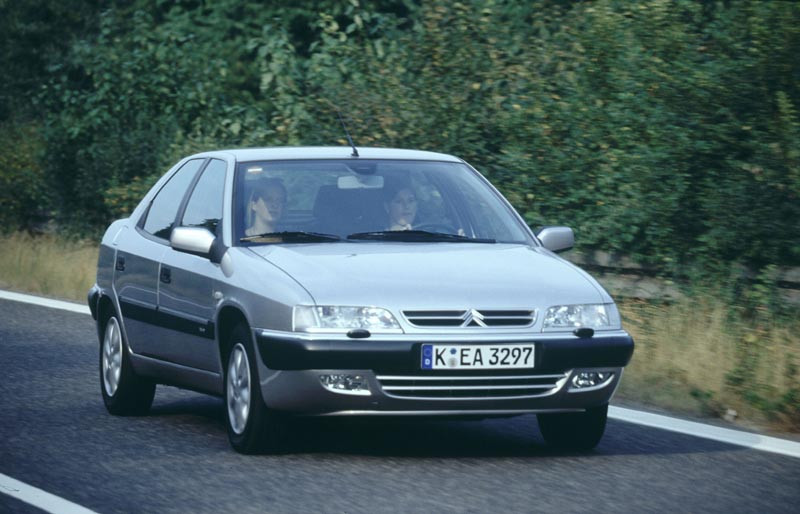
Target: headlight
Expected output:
[601,316]
[332,318]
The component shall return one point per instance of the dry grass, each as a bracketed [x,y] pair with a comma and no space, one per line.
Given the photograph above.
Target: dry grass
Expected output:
[48,265]
[685,352]
[688,355]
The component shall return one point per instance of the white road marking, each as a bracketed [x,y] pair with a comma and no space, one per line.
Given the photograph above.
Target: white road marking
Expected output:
[46,302]
[38,498]
[725,435]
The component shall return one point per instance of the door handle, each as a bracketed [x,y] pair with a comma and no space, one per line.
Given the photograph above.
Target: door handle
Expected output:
[166,275]
[120,263]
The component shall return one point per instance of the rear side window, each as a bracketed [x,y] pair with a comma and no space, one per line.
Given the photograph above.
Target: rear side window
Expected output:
[164,207]
[205,205]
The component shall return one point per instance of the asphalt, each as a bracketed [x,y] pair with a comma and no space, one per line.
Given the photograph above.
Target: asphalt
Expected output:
[56,435]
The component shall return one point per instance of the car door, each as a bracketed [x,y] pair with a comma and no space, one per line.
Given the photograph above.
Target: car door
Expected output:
[139,251]
[186,302]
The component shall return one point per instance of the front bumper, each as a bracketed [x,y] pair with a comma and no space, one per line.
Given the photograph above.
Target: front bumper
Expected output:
[291,365]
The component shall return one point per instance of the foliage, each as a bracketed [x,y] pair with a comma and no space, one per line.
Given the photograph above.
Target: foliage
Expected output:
[36,35]
[23,183]
[666,131]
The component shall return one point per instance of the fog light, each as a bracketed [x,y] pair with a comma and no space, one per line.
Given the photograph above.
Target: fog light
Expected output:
[590,378]
[346,384]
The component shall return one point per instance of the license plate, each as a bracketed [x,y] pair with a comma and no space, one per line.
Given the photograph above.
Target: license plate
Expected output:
[505,356]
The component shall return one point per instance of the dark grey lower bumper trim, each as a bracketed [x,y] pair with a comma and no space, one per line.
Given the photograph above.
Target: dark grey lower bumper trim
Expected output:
[552,355]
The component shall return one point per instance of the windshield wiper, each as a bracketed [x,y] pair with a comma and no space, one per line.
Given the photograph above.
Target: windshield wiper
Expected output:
[416,236]
[290,236]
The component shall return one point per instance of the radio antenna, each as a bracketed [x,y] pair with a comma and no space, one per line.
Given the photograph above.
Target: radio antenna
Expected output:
[346,133]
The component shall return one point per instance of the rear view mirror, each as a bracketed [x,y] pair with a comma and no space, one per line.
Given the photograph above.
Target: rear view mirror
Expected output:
[557,239]
[194,240]
[360,182]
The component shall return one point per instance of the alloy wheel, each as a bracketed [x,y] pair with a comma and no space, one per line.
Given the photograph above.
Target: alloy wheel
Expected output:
[238,390]
[112,356]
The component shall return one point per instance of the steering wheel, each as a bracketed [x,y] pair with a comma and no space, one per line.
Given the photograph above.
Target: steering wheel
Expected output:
[437,226]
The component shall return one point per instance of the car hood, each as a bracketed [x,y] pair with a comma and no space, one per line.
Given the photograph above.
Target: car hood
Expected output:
[433,276]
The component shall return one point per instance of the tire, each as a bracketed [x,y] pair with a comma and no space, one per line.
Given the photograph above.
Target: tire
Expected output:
[252,427]
[574,430]
[124,393]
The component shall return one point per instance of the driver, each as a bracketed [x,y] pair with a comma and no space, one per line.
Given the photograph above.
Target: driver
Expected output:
[401,205]
[265,208]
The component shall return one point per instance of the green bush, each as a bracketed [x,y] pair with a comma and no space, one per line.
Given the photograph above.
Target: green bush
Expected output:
[23,183]
[666,131]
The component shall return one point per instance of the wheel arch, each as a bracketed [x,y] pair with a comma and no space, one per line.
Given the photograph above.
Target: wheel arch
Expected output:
[228,318]
[105,307]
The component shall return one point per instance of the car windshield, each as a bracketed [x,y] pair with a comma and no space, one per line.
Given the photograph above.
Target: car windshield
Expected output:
[328,201]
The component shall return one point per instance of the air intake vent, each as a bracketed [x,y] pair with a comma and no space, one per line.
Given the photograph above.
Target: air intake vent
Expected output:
[472,318]
[472,387]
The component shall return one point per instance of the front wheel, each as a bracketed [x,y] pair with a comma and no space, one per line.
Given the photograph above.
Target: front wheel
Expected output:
[252,427]
[124,392]
[574,430]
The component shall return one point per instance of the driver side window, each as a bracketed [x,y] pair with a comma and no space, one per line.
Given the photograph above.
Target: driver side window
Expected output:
[164,207]
[204,208]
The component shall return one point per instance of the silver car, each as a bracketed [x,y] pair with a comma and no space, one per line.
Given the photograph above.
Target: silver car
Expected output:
[344,282]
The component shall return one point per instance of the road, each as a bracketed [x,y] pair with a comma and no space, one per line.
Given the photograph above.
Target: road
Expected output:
[56,435]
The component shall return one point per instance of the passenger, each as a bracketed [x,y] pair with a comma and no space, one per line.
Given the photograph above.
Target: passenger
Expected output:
[401,205]
[265,208]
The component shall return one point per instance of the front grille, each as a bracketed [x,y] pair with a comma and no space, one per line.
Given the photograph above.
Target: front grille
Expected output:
[471,387]
[471,318]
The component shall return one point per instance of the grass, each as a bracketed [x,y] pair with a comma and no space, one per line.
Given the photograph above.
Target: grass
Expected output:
[48,265]
[693,356]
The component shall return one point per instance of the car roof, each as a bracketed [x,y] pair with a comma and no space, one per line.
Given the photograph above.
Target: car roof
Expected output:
[329,152]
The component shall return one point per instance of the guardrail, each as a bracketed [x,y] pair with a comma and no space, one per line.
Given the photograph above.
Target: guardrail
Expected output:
[628,279]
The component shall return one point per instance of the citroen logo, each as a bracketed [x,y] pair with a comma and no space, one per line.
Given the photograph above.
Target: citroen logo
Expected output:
[473,318]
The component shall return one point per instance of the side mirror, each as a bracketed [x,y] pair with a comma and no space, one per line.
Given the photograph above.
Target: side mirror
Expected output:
[557,239]
[194,240]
